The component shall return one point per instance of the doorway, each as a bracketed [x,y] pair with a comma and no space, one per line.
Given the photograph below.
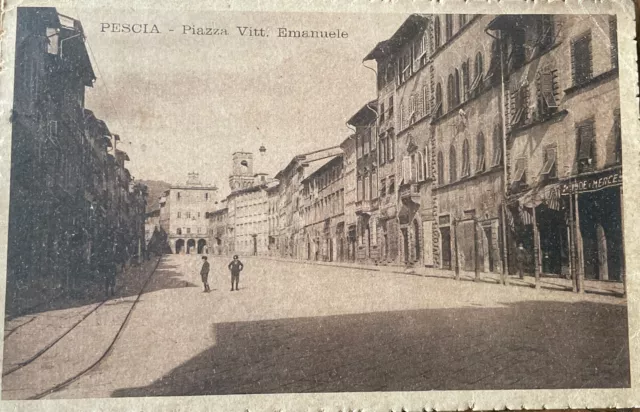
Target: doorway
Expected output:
[405,245]
[488,234]
[445,243]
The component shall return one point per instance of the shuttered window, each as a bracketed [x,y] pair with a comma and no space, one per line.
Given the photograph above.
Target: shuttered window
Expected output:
[440,168]
[453,166]
[581,59]
[547,90]
[480,153]
[586,152]
[617,135]
[613,37]
[549,168]
[466,165]
[497,146]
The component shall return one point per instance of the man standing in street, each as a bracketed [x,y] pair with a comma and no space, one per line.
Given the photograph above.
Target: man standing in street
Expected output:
[235,267]
[204,274]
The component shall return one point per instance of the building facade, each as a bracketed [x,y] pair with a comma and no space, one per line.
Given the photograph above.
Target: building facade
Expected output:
[73,205]
[322,212]
[183,215]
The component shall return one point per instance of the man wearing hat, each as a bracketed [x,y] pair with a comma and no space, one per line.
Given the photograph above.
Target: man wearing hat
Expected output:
[235,267]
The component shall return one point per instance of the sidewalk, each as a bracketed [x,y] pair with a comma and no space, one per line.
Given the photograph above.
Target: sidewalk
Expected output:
[550,283]
[75,337]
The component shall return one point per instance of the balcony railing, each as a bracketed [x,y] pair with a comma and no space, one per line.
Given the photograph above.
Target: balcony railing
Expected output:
[410,192]
[366,206]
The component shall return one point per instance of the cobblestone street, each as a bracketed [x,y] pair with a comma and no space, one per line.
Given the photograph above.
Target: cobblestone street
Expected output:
[297,327]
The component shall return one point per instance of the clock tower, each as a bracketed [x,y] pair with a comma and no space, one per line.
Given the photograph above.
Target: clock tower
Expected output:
[242,173]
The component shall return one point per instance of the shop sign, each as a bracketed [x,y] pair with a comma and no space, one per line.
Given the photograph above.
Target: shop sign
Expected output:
[592,183]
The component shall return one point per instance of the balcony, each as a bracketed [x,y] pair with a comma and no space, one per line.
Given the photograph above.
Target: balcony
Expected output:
[410,192]
[366,206]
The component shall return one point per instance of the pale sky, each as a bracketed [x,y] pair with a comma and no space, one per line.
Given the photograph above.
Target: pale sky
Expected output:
[185,103]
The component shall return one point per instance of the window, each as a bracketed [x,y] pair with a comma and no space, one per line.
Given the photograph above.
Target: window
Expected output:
[448,26]
[519,105]
[407,176]
[453,170]
[450,92]
[613,38]
[383,150]
[383,187]
[480,160]
[456,88]
[440,168]
[391,146]
[365,143]
[427,166]
[188,215]
[544,31]
[419,166]
[392,184]
[405,65]
[477,74]
[360,188]
[425,100]
[519,174]
[178,196]
[547,89]
[581,59]
[420,50]
[179,215]
[437,39]
[401,116]
[367,187]
[617,136]
[391,107]
[466,165]
[465,80]
[412,109]
[206,196]
[586,146]
[381,112]
[549,168]
[358,147]
[178,231]
[188,230]
[462,20]
[497,146]
[437,110]
[374,185]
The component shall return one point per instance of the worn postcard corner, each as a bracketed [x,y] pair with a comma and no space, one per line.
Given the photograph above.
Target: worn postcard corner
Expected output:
[319,206]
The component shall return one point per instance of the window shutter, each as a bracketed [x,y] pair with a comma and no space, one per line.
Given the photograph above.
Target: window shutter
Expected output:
[546,89]
[586,142]
[613,37]
[573,62]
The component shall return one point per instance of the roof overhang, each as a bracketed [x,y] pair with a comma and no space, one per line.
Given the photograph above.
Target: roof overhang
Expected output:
[411,26]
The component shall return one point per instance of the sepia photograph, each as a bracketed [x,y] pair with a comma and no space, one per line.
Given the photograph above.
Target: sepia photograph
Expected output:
[247,202]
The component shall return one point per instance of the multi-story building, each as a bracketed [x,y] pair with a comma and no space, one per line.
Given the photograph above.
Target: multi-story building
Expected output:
[248,207]
[290,235]
[71,198]
[467,145]
[460,96]
[219,231]
[562,129]
[350,194]
[322,211]
[366,171]
[183,210]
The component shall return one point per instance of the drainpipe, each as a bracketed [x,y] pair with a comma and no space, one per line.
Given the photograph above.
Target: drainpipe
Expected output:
[505,177]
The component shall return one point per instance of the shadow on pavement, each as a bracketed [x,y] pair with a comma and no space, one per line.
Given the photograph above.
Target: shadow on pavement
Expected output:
[90,291]
[525,345]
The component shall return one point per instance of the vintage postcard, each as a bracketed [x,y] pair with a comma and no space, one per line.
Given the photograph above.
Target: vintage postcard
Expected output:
[319,206]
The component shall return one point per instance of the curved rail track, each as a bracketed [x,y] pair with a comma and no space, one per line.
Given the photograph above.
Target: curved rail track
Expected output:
[72,379]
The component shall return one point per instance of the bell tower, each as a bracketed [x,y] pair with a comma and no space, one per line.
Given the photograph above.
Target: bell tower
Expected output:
[242,172]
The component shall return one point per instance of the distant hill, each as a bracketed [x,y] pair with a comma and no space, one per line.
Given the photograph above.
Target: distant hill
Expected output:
[156,188]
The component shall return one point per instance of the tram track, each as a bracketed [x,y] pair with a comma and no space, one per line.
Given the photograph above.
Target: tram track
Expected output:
[52,344]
